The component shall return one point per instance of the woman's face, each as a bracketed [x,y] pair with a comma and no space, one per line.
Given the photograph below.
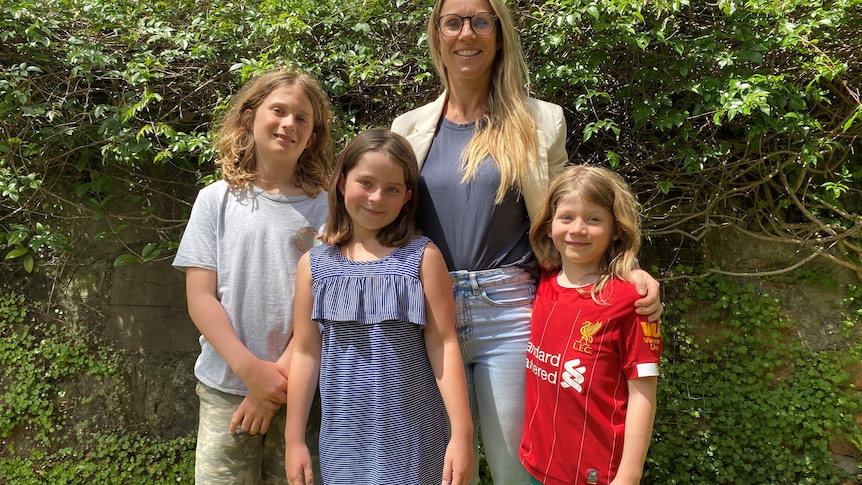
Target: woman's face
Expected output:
[468,55]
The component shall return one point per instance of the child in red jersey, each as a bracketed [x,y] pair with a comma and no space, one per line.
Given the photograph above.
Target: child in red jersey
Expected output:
[592,362]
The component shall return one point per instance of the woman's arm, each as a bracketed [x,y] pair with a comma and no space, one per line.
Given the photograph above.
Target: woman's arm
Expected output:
[647,287]
[304,374]
[638,433]
[444,352]
[557,156]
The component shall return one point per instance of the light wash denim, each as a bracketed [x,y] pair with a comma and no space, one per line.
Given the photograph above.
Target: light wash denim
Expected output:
[492,315]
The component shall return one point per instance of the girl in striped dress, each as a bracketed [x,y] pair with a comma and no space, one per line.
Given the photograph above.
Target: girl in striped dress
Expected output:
[374,323]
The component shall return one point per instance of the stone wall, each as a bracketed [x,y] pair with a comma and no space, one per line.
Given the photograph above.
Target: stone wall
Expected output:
[147,319]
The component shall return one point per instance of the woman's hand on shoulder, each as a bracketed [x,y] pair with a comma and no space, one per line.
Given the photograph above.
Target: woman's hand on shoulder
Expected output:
[648,288]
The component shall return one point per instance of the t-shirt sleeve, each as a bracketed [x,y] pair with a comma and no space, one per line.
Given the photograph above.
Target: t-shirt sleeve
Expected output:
[198,244]
[642,346]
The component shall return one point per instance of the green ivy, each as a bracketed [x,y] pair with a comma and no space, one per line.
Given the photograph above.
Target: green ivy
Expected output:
[39,354]
[719,113]
[741,401]
[734,109]
[35,356]
[115,458]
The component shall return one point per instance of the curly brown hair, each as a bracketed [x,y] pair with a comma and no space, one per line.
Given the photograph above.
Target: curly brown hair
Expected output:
[235,140]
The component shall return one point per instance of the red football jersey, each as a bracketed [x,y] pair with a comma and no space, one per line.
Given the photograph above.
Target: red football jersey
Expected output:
[579,359]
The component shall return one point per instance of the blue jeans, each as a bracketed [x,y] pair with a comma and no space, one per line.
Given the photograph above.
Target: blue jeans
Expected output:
[492,316]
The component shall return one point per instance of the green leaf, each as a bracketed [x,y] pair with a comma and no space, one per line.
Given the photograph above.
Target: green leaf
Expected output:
[150,251]
[29,263]
[82,189]
[126,259]
[17,253]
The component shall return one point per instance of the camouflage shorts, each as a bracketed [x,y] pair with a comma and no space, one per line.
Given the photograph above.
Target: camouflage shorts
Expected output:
[243,458]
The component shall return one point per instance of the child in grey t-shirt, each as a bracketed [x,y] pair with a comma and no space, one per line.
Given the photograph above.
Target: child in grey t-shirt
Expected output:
[240,249]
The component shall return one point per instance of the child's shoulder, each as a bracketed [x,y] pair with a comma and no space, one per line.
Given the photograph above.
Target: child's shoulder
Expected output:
[320,248]
[217,187]
[418,246]
[422,241]
[546,276]
[620,291]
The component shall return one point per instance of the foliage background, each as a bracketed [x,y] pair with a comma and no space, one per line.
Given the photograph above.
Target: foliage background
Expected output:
[718,113]
[721,114]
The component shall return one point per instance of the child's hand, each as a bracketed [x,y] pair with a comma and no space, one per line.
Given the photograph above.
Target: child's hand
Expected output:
[297,464]
[458,463]
[266,381]
[253,416]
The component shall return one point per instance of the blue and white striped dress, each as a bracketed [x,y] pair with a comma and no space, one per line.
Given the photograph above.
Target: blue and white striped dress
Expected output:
[383,419]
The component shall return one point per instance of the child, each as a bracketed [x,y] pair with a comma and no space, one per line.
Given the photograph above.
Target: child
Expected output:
[239,251]
[592,362]
[375,323]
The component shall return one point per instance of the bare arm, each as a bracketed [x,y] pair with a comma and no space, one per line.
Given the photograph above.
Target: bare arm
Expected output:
[639,423]
[254,415]
[283,361]
[444,352]
[304,374]
[264,380]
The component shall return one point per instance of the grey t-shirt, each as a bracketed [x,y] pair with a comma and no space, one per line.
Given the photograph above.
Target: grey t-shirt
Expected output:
[252,240]
[472,232]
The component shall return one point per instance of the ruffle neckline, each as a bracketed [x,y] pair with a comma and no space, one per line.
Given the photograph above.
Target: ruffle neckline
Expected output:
[369,292]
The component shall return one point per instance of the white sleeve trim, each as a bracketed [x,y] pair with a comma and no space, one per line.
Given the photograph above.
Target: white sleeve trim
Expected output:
[647,370]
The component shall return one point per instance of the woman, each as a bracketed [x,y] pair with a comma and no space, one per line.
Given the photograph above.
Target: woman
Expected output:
[486,153]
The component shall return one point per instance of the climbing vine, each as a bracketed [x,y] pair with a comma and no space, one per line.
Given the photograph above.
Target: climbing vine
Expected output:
[59,388]
[741,400]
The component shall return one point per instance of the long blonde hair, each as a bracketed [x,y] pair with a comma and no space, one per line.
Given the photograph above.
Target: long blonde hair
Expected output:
[606,189]
[507,130]
[235,140]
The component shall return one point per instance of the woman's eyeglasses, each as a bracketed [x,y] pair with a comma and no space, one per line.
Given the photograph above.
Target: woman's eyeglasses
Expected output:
[481,23]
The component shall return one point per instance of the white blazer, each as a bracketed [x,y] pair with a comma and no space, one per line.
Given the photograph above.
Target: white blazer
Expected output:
[420,125]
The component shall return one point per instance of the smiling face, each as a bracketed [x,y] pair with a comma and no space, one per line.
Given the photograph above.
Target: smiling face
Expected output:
[468,56]
[282,127]
[374,193]
[582,231]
